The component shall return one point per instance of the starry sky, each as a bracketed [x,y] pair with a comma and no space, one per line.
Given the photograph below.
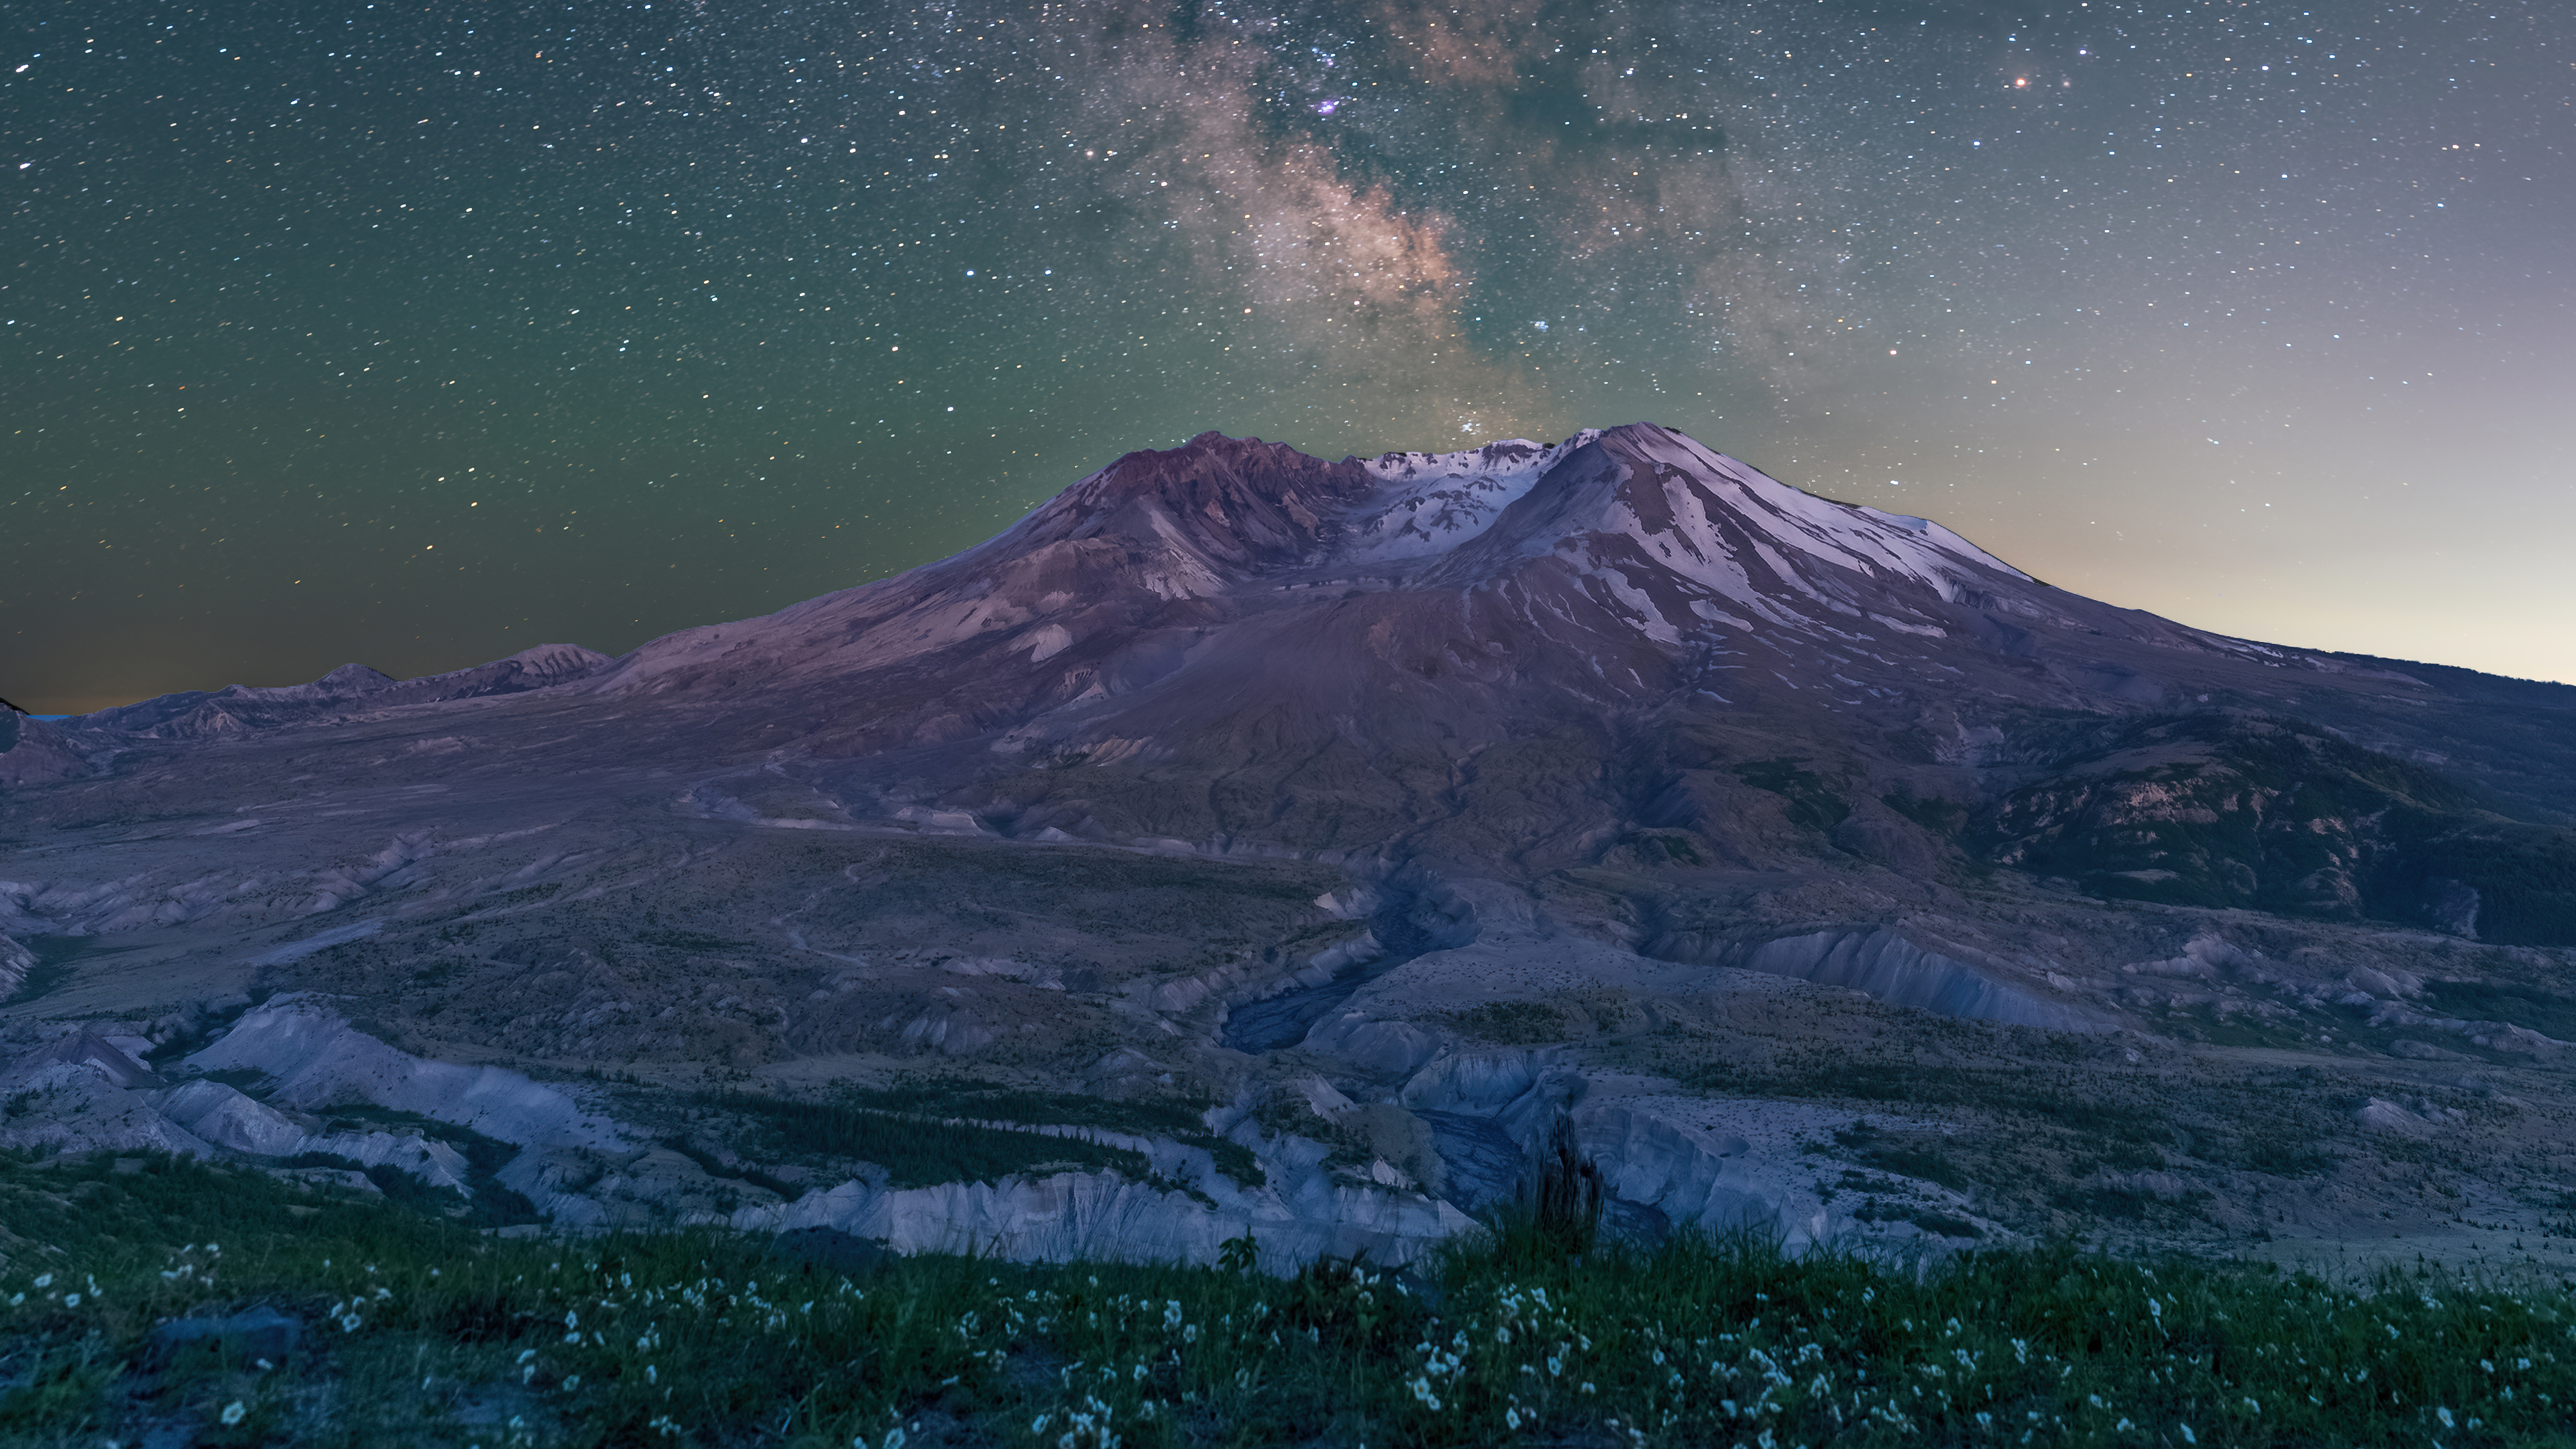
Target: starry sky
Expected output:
[419,334]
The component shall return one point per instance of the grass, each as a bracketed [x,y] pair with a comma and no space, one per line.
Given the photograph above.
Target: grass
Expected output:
[971,1097]
[2057,1096]
[57,958]
[921,1131]
[2545,1012]
[415,1331]
[1811,803]
[916,1150]
[1513,1023]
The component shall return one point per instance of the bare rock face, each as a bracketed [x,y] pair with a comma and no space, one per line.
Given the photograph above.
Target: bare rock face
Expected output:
[1326,836]
[1890,968]
[15,962]
[43,753]
[312,1058]
[345,691]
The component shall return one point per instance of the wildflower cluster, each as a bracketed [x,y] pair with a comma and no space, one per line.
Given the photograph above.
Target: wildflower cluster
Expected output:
[401,1327]
[1138,1357]
[663,1356]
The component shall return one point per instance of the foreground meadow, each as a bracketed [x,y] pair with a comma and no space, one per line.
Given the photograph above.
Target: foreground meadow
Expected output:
[165,1302]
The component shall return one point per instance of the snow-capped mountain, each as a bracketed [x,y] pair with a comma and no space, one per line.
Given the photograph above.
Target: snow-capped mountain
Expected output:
[1612,568]
[1522,652]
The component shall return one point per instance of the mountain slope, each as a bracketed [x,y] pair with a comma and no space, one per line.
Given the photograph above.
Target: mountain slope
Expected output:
[1417,810]
[198,714]
[1532,658]
[1523,656]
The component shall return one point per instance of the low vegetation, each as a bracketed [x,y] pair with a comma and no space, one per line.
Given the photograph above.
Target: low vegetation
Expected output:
[938,1130]
[915,1150]
[169,1301]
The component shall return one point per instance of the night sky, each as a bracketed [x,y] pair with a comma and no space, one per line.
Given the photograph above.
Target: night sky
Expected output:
[415,335]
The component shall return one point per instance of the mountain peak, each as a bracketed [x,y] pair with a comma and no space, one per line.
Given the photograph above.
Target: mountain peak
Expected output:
[1606,567]
[351,679]
[1221,504]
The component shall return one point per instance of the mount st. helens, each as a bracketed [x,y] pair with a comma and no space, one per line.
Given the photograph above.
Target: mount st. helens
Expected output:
[1284,653]
[1387,813]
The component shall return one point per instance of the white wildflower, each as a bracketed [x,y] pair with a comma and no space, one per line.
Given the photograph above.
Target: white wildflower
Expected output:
[234,1412]
[349,1322]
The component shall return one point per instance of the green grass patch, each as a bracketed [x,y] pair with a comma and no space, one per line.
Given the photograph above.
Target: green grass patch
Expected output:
[679,940]
[490,1205]
[916,1150]
[971,1097]
[1941,817]
[1182,1121]
[414,1331]
[1513,1023]
[57,958]
[2546,1012]
[1811,802]
[2050,1095]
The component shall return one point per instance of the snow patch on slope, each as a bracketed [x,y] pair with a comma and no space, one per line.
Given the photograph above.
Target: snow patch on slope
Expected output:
[1429,503]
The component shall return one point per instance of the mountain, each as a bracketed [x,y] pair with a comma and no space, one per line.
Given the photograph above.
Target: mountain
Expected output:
[340,694]
[1813,866]
[1251,648]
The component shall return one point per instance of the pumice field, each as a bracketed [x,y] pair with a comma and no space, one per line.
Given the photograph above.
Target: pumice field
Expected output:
[1567,944]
